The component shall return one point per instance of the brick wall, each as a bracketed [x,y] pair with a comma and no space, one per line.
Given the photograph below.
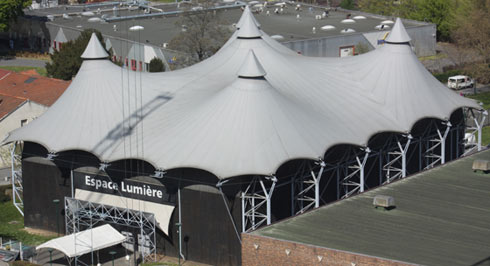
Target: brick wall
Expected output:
[261,251]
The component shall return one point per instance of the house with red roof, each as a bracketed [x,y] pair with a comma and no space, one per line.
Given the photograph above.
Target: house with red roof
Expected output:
[23,97]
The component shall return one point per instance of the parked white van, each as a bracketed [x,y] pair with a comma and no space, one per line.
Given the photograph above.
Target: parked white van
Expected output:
[460,82]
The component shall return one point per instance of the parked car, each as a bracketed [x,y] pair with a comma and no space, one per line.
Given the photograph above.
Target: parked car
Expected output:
[460,82]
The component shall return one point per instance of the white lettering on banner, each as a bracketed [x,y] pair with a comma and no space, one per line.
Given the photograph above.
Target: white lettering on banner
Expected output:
[144,190]
[127,188]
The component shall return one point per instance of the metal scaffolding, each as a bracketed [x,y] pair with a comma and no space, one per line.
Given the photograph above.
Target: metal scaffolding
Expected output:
[81,215]
[435,152]
[353,180]
[305,188]
[396,166]
[16,180]
[255,196]
[475,131]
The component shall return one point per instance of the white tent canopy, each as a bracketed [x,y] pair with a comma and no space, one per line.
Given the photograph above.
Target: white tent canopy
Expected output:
[209,116]
[84,242]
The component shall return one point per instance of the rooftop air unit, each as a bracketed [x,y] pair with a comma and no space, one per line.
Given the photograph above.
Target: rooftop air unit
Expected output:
[482,165]
[385,202]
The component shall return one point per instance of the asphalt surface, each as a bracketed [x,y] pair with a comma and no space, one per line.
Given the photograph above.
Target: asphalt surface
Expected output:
[22,62]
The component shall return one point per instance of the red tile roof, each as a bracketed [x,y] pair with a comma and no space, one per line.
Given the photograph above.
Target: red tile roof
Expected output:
[9,104]
[29,85]
[16,88]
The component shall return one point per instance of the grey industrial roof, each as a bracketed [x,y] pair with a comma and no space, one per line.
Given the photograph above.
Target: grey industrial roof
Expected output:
[160,30]
[441,218]
[207,117]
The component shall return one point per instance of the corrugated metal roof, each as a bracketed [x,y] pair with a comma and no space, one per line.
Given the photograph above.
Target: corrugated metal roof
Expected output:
[441,218]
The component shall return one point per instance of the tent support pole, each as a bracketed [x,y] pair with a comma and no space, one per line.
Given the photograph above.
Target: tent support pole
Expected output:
[307,181]
[355,170]
[252,201]
[218,185]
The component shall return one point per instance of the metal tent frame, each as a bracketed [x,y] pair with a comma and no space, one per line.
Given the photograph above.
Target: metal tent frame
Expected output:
[255,196]
[16,180]
[80,214]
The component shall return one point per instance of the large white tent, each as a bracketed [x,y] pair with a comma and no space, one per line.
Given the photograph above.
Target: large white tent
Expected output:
[248,109]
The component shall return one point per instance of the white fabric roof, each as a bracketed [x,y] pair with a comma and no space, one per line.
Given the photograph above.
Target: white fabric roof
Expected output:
[85,241]
[398,33]
[94,49]
[207,117]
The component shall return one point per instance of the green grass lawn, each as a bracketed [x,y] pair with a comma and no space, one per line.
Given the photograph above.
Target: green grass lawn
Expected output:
[483,97]
[485,136]
[40,70]
[12,224]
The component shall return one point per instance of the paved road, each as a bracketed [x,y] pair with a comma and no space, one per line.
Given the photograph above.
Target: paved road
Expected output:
[22,62]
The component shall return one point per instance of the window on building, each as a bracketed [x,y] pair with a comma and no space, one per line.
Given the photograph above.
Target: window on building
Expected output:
[141,66]
[133,64]
[54,44]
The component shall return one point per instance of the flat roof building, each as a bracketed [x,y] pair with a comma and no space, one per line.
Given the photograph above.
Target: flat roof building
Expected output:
[441,218]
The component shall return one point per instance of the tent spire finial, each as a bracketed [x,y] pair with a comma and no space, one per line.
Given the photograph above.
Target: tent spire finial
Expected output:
[398,34]
[247,14]
[251,67]
[94,49]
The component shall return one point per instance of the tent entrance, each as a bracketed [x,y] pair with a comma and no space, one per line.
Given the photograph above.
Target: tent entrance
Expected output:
[87,241]
[81,215]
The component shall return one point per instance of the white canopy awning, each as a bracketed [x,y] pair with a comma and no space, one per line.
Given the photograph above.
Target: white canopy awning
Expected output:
[75,245]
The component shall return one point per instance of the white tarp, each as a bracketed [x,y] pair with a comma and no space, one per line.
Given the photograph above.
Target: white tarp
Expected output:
[162,212]
[207,117]
[84,242]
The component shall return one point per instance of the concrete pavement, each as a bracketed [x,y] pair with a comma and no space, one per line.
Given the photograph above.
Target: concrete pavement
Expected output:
[6,61]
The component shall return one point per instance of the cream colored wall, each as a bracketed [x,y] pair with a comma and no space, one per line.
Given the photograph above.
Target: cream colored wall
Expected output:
[29,110]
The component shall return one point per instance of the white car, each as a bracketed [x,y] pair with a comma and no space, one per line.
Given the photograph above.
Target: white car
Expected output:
[460,82]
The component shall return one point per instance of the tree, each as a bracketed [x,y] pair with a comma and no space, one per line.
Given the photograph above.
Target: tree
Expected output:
[66,62]
[435,11]
[203,33]
[439,12]
[10,10]
[156,65]
[348,4]
[472,34]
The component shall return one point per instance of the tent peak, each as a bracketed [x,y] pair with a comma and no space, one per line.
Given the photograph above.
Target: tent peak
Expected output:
[247,13]
[251,67]
[94,49]
[398,34]
[247,27]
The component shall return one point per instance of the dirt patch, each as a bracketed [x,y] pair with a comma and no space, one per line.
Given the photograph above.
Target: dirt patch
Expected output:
[39,232]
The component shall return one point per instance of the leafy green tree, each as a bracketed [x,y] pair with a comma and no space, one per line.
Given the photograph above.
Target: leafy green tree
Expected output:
[437,12]
[472,35]
[156,65]
[348,4]
[10,10]
[66,62]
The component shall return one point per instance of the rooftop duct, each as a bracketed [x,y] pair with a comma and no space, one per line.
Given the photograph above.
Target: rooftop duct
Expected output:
[482,165]
[385,202]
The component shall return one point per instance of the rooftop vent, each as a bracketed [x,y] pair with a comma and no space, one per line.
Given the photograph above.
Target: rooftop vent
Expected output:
[482,165]
[385,202]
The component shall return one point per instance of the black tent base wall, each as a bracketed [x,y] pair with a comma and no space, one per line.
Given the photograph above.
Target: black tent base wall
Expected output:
[208,235]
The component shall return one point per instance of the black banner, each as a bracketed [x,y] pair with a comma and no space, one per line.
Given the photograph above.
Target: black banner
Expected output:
[126,188]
